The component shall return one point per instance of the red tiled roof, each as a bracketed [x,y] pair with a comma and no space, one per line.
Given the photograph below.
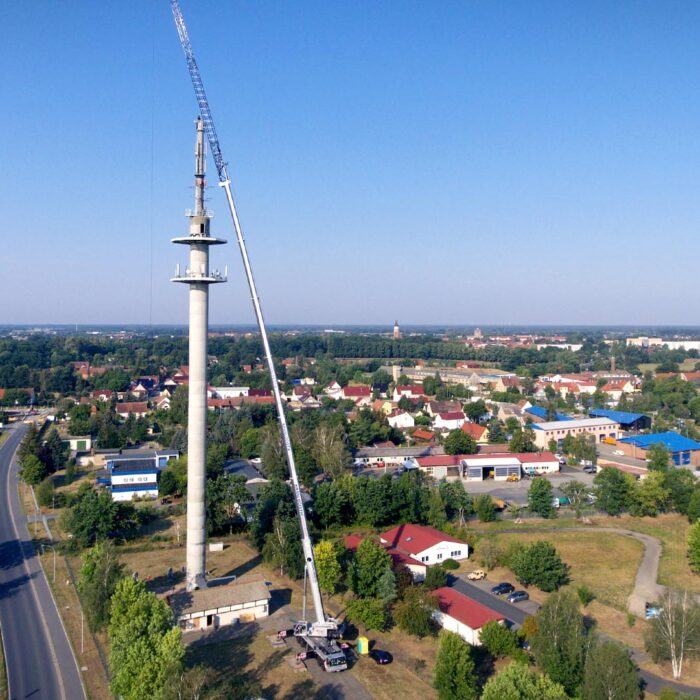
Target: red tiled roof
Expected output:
[464,609]
[260,392]
[416,538]
[535,456]
[399,558]
[452,415]
[352,542]
[423,435]
[132,407]
[440,460]
[412,388]
[474,429]
[356,391]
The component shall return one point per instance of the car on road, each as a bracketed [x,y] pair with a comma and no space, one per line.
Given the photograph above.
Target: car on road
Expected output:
[590,469]
[618,452]
[503,588]
[381,657]
[476,575]
[518,596]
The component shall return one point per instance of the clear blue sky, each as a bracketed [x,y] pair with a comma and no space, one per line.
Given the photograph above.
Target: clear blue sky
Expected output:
[435,162]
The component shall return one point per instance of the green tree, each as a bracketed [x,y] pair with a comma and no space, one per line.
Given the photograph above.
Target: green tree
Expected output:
[328,568]
[517,682]
[539,564]
[523,440]
[658,458]
[33,470]
[329,449]
[540,497]
[560,641]
[610,674]
[498,640]
[454,676]
[272,454]
[145,647]
[612,490]
[496,432]
[369,612]
[99,575]
[458,442]
[675,634]
[485,508]
[414,613]
[283,548]
[648,497]
[577,493]
[435,577]
[694,546]
[680,484]
[475,410]
[55,450]
[490,553]
[387,586]
[250,443]
[694,506]
[437,517]
[369,563]
[458,502]
[93,517]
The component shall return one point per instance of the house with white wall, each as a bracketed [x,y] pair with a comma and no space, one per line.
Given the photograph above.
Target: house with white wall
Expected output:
[425,544]
[458,613]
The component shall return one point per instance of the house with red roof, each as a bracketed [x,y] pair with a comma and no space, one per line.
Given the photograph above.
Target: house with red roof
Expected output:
[137,409]
[361,395]
[424,544]
[421,435]
[479,433]
[458,613]
[452,420]
[410,391]
[398,558]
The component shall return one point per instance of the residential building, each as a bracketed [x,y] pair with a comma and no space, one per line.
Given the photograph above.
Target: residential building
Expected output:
[138,409]
[401,420]
[361,395]
[449,421]
[479,433]
[425,544]
[435,407]
[228,392]
[411,391]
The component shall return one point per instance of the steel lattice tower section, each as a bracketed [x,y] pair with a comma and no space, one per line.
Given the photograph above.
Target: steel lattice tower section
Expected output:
[198,277]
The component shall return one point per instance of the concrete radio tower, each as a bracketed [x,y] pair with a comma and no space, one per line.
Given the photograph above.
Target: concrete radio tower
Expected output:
[198,277]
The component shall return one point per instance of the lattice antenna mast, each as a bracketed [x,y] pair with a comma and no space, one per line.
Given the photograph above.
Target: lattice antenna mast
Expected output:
[322,626]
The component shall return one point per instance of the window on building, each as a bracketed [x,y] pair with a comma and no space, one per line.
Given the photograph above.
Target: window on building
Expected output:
[439,556]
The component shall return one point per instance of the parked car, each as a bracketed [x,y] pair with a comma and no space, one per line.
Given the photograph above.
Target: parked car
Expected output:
[381,657]
[476,575]
[503,588]
[517,596]
[590,469]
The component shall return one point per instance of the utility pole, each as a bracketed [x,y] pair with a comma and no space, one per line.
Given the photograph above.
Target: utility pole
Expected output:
[43,550]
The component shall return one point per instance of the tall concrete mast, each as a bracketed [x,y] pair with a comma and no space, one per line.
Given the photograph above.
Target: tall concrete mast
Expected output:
[198,277]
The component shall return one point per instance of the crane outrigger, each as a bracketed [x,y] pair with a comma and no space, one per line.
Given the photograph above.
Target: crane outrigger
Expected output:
[320,635]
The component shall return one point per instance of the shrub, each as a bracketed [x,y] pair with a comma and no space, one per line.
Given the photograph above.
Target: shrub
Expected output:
[490,554]
[45,493]
[498,639]
[585,595]
[450,565]
[485,508]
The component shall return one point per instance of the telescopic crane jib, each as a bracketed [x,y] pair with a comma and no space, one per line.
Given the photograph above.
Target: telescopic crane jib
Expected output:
[323,629]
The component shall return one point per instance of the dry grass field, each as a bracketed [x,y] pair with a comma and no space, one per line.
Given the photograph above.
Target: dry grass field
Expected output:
[606,563]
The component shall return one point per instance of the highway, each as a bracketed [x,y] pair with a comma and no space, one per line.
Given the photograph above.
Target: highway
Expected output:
[40,661]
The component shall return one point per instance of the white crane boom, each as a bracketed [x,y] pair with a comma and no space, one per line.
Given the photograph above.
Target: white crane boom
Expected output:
[322,627]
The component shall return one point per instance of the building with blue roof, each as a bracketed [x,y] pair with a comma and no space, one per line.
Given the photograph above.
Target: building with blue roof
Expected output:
[627,421]
[541,413]
[684,451]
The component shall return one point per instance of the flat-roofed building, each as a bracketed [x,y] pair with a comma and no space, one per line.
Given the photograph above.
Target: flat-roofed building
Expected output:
[600,428]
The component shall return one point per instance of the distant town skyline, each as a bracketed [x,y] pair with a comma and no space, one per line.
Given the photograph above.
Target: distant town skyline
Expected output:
[435,163]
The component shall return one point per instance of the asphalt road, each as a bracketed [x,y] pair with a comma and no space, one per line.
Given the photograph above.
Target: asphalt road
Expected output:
[40,661]
[480,593]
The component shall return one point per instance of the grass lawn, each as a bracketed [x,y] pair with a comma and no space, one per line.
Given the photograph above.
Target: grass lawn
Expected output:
[410,674]
[606,563]
[672,530]
[251,663]
[3,673]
